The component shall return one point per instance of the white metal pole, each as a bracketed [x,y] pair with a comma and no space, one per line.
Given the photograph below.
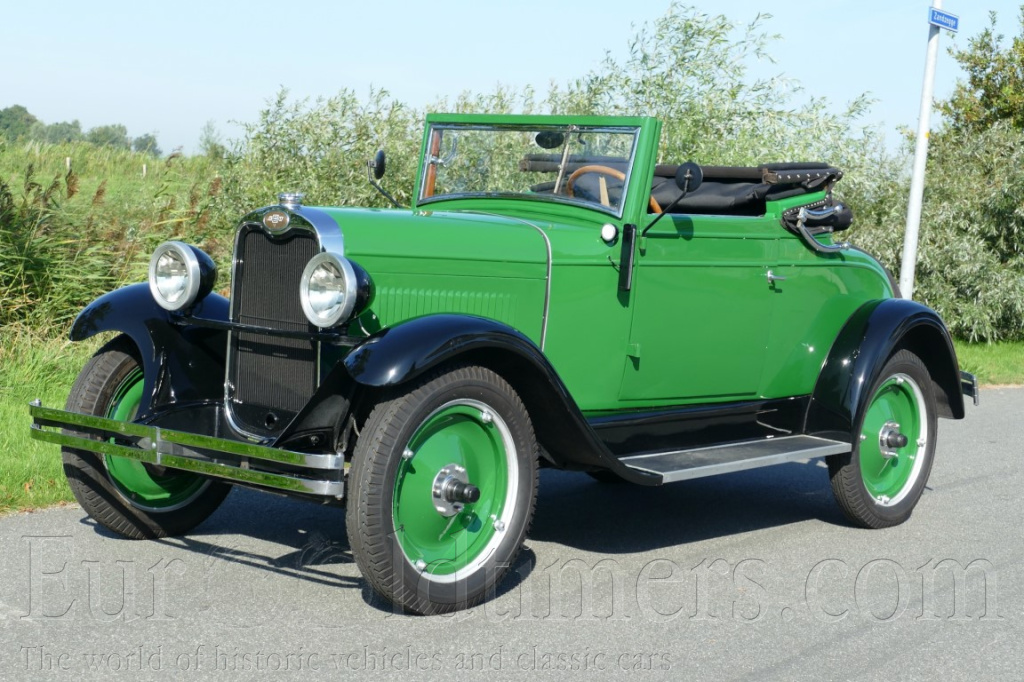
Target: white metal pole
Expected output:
[920,159]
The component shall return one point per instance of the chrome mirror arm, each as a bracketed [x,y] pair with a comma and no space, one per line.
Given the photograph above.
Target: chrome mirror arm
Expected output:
[801,228]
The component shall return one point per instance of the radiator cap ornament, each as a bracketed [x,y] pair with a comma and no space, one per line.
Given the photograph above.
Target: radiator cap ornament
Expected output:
[290,199]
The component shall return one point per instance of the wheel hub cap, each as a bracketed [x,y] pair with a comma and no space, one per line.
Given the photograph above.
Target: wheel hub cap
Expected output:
[895,432]
[455,490]
[452,490]
[890,440]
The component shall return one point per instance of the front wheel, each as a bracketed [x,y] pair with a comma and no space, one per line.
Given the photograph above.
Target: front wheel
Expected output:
[880,482]
[442,490]
[131,498]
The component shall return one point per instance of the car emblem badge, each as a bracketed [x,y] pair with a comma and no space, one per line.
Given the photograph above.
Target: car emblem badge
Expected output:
[276,221]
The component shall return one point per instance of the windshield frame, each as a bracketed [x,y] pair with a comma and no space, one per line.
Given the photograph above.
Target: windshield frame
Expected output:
[431,151]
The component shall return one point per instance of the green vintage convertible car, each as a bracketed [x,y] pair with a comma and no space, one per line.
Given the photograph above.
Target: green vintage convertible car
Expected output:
[554,297]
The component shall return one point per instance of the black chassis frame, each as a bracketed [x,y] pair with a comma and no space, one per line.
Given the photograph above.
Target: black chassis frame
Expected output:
[183,357]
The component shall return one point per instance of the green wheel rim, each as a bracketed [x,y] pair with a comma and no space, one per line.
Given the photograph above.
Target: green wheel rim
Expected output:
[470,435]
[897,407]
[138,484]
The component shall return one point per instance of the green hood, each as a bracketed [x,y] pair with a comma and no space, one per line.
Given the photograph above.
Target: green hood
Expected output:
[426,262]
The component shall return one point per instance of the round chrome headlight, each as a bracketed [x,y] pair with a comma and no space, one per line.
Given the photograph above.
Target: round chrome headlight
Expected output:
[179,274]
[328,289]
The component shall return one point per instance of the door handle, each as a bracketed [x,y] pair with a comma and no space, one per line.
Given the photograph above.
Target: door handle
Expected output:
[772,277]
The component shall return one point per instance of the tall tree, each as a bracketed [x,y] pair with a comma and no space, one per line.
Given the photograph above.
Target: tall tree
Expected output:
[16,122]
[146,144]
[57,133]
[994,86]
[115,135]
[210,143]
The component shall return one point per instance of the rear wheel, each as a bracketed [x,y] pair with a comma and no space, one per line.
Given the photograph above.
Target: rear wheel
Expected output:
[881,481]
[443,486]
[129,497]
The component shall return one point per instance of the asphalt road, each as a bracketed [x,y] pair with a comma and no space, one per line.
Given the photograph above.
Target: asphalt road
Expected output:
[749,576]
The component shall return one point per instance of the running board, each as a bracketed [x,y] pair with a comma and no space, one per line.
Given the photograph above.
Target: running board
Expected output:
[683,465]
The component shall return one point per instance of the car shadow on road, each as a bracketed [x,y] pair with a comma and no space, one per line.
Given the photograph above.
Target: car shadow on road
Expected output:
[270,533]
[619,518]
[302,540]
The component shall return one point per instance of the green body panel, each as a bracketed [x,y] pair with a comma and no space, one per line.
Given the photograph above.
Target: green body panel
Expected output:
[702,322]
[702,309]
[819,295]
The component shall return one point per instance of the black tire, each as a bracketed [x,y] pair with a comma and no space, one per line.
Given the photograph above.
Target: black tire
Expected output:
[464,416]
[869,484]
[102,496]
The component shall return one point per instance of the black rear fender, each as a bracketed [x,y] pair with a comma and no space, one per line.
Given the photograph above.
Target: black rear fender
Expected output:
[870,337]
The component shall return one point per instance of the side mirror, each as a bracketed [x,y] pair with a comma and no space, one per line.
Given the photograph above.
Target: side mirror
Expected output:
[378,164]
[375,169]
[689,176]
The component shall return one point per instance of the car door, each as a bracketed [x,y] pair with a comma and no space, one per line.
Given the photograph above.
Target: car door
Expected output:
[702,307]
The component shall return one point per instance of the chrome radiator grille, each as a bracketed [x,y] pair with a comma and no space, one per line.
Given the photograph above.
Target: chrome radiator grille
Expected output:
[267,371]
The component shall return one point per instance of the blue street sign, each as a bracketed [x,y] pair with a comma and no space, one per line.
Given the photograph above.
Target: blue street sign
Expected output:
[950,22]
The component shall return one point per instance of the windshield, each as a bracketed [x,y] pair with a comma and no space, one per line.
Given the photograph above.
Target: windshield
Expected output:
[568,164]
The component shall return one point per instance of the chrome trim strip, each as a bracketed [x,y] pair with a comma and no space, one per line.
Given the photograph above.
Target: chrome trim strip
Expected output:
[327,229]
[337,338]
[547,290]
[174,449]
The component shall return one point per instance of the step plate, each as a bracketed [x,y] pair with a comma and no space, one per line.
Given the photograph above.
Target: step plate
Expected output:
[722,459]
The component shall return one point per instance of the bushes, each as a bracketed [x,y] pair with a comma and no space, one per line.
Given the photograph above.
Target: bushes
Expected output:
[321,150]
[66,237]
[77,221]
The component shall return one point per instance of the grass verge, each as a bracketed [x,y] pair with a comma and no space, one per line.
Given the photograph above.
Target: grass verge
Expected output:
[33,366]
[995,364]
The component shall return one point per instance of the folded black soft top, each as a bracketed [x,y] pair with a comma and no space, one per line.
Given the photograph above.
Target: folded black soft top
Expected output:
[726,190]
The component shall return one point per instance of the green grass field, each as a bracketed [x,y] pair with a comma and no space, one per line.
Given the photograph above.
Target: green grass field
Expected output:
[32,366]
[995,364]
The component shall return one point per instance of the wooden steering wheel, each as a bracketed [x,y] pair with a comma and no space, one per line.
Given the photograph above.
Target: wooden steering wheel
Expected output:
[604,170]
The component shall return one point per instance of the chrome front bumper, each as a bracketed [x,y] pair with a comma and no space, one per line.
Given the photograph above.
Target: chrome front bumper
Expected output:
[247,463]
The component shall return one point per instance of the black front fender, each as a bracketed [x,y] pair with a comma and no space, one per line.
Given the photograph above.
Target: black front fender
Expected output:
[868,339]
[181,364]
[399,354]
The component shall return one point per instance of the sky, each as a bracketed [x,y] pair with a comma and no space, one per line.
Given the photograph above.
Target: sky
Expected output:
[168,68]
